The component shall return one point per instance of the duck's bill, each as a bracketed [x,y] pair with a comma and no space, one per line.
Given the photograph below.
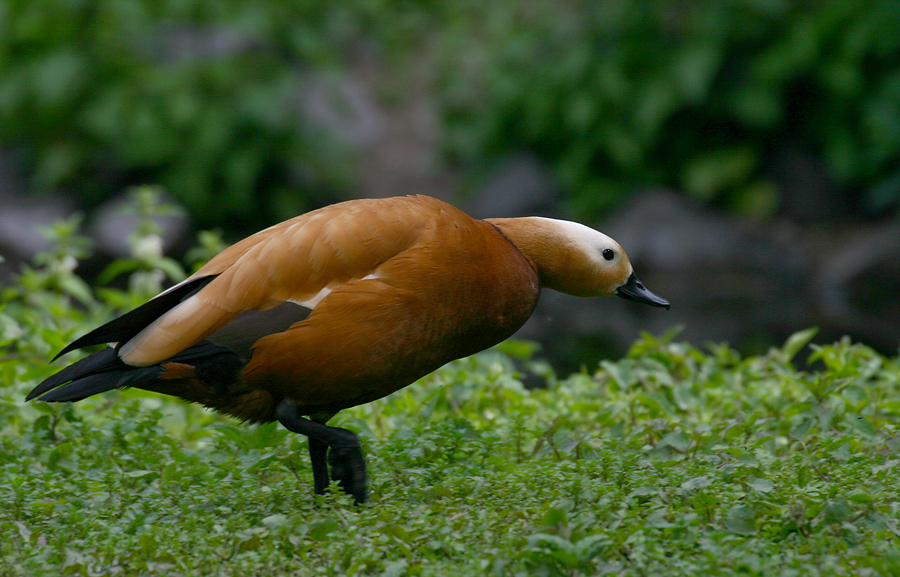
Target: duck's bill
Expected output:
[634,290]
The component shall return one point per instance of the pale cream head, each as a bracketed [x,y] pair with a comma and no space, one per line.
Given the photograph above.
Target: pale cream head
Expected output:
[569,257]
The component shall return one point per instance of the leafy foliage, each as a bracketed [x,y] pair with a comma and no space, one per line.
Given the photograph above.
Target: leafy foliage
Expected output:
[700,96]
[200,97]
[671,461]
[203,97]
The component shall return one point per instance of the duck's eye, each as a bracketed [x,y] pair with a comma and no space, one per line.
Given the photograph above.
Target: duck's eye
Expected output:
[608,254]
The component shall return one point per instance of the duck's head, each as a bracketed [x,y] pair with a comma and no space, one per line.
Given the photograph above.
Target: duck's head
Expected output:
[576,259]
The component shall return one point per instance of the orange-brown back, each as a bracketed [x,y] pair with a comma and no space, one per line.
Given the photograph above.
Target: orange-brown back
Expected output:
[297,260]
[458,289]
[398,287]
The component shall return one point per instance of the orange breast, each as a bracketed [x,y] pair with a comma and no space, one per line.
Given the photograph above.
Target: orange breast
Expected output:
[461,288]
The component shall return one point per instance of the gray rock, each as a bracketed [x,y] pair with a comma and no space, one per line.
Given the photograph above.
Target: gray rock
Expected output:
[21,222]
[113,221]
[343,107]
[519,185]
[808,195]
[857,283]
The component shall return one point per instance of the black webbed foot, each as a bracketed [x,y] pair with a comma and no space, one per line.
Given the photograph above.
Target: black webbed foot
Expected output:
[348,468]
[333,446]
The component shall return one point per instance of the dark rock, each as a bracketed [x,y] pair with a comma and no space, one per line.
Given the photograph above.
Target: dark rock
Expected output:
[21,222]
[343,107]
[519,185]
[857,284]
[397,139]
[810,197]
[729,279]
[113,221]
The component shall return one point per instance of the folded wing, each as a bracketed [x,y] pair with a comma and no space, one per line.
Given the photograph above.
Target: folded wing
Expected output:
[299,261]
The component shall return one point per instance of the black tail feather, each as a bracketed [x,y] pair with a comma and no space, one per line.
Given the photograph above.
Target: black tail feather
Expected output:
[99,363]
[84,388]
[104,371]
[131,323]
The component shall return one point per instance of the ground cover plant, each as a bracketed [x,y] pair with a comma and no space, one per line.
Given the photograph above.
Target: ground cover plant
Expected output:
[675,460]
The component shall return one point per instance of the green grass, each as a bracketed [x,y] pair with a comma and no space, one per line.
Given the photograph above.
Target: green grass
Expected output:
[671,461]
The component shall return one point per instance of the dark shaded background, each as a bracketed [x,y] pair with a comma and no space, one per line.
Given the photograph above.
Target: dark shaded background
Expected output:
[746,153]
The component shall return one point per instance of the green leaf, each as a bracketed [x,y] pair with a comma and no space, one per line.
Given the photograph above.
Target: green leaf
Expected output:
[518,348]
[709,174]
[141,474]
[837,511]
[696,483]
[395,568]
[322,528]
[677,440]
[275,521]
[117,268]
[800,430]
[740,520]
[77,288]
[762,485]
[253,463]
[796,342]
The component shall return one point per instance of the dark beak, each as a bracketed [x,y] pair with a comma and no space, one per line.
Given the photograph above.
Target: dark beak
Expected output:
[634,290]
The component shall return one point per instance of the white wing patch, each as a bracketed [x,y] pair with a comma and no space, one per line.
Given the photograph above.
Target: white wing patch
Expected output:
[312,303]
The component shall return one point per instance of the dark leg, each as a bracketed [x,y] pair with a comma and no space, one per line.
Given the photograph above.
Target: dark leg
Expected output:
[348,467]
[317,453]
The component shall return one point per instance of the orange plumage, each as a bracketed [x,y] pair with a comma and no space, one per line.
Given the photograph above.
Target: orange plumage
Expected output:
[339,307]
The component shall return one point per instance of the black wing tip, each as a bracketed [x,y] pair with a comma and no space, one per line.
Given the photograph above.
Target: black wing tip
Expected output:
[123,328]
[97,336]
[68,349]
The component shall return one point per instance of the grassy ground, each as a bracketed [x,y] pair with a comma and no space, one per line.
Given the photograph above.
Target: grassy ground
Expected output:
[672,461]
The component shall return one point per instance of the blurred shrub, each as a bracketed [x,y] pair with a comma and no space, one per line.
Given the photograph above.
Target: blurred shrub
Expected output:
[699,96]
[201,97]
[204,97]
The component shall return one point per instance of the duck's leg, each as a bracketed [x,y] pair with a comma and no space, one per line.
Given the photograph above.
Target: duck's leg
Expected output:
[318,452]
[341,446]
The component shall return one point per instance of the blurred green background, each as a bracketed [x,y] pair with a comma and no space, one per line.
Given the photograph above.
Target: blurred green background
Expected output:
[247,113]
[206,98]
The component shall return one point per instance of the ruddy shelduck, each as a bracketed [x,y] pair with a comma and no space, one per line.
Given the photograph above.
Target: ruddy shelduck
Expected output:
[339,307]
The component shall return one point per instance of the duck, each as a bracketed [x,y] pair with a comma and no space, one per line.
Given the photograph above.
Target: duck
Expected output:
[339,307]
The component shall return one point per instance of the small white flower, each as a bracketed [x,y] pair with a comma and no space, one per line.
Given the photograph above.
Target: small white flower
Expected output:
[69,263]
[149,247]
